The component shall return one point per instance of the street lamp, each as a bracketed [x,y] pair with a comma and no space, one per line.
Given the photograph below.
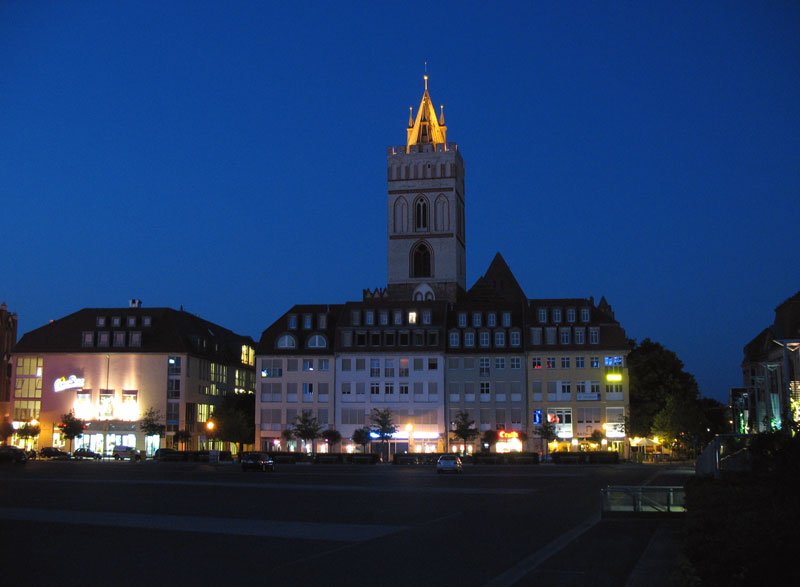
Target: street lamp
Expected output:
[210,430]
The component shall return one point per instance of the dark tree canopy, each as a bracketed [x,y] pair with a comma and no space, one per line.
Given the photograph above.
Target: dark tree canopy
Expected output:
[234,418]
[306,427]
[361,436]
[656,373]
[151,424]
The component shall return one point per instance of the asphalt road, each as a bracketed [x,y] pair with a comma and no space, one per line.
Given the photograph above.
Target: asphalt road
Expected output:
[121,523]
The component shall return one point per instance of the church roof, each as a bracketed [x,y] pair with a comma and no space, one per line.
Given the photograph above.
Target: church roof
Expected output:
[426,128]
[497,284]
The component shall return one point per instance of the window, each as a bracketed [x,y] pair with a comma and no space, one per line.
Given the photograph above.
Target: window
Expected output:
[580,387]
[308,364]
[403,372]
[556,315]
[579,362]
[101,321]
[397,315]
[292,321]
[565,362]
[421,214]
[433,364]
[476,319]
[500,363]
[515,363]
[291,364]
[614,361]
[536,362]
[355,317]
[388,338]
[564,335]
[491,319]
[131,321]
[287,341]
[116,321]
[88,339]
[469,339]
[551,362]
[550,334]
[417,364]
[361,364]
[404,389]
[566,387]
[500,339]
[594,336]
[484,366]
[421,261]
[515,338]
[383,317]
[536,336]
[595,362]
[317,341]
[580,335]
[388,388]
[307,321]
[347,338]
[146,320]
[174,366]
[374,388]
[322,321]
[584,314]
[403,338]
[346,389]
[135,339]
[388,368]
[103,338]
[426,316]
[374,367]
[308,388]
[542,315]
[462,319]
[486,388]
[369,317]
[412,317]
[506,319]
[453,339]
[271,368]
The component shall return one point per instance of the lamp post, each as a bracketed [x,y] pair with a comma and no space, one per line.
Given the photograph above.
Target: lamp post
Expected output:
[209,431]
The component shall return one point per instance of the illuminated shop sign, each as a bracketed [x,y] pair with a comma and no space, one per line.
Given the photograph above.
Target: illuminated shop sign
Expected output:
[71,382]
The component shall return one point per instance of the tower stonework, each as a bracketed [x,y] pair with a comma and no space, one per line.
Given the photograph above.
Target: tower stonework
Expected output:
[425,214]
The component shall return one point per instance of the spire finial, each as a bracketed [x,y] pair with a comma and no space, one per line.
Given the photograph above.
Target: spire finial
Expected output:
[410,116]
[441,116]
[425,76]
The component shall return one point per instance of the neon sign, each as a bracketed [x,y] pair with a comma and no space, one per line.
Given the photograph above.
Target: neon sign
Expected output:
[504,434]
[71,382]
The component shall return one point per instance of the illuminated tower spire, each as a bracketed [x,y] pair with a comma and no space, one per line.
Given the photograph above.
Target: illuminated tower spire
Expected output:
[426,128]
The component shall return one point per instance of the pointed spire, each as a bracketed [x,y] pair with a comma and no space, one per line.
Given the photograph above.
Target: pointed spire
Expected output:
[410,117]
[441,116]
[426,128]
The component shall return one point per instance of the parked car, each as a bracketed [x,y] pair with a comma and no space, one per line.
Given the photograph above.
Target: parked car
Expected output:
[449,463]
[126,452]
[53,453]
[257,461]
[12,454]
[85,453]
[168,454]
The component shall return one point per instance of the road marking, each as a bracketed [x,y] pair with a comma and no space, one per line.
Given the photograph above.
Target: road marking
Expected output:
[205,525]
[532,562]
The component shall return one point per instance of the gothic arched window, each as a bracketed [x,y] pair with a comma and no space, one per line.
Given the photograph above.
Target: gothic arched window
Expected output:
[400,215]
[421,261]
[421,214]
[442,214]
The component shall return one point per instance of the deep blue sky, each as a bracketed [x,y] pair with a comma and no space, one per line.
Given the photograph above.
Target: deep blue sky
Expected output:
[230,157]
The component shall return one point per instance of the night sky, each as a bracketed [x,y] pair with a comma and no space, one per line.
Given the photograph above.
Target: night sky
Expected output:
[230,157]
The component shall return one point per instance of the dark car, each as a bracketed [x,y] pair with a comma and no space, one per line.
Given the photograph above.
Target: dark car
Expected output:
[50,452]
[85,453]
[257,461]
[12,454]
[168,454]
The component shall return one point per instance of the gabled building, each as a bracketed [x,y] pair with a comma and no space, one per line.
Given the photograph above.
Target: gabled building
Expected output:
[110,365]
[427,348]
[771,374]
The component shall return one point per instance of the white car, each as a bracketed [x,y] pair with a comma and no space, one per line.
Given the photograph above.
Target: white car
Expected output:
[126,452]
[449,463]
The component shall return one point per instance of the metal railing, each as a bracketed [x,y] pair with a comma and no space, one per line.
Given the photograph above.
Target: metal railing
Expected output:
[643,499]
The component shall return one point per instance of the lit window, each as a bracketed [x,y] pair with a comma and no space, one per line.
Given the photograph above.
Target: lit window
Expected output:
[308,364]
[536,362]
[412,317]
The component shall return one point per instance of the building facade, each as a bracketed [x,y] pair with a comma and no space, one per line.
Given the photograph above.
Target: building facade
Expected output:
[770,396]
[8,337]
[428,349]
[109,366]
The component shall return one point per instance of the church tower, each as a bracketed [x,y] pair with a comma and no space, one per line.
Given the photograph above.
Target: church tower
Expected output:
[427,256]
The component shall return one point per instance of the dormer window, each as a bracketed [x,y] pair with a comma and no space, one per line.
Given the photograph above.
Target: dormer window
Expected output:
[355,317]
[116,321]
[307,321]
[383,317]
[556,315]
[292,319]
[426,316]
[491,319]
[369,317]
[476,319]
[584,314]
[146,320]
[101,321]
[542,315]
[570,314]
[506,319]
[131,321]
[462,319]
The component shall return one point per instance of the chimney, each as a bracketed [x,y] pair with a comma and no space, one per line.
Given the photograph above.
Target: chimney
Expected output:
[134,303]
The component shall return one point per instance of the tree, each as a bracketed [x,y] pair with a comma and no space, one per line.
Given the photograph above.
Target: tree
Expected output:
[71,427]
[383,425]
[151,424]
[6,430]
[235,419]
[490,438]
[181,437]
[597,436]
[361,437]
[464,427]
[680,423]
[547,431]
[332,436]
[656,373]
[306,427]
[28,430]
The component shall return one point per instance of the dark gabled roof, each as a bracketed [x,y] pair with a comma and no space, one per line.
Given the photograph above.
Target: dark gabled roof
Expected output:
[497,285]
[173,331]
[787,319]
[268,343]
